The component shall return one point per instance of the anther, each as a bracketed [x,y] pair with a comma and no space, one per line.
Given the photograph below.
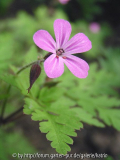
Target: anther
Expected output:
[64,57]
[59,52]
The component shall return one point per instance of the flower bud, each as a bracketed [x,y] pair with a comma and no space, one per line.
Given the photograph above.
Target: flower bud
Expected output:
[34,74]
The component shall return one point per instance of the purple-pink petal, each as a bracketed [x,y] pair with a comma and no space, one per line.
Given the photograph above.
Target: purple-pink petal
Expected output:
[77,66]
[77,44]
[62,29]
[94,27]
[44,41]
[54,67]
[64,1]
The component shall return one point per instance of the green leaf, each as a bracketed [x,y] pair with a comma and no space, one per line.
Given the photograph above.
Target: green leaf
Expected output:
[50,94]
[112,64]
[98,82]
[109,158]
[111,61]
[87,117]
[9,141]
[6,50]
[104,105]
[3,96]
[31,55]
[111,117]
[10,79]
[55,121]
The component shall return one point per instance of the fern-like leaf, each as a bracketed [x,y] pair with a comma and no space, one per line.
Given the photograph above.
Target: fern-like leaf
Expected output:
[57,121]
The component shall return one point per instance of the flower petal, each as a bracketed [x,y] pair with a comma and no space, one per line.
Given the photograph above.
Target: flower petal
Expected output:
[77,66]
[64,1]
[54,67]
[62,29]
[44,41]
[77,44]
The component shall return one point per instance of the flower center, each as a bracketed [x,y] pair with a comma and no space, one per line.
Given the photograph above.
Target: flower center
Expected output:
[59,52]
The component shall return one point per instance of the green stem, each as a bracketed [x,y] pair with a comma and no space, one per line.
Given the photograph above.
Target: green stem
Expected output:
[9,88]
[28,65]
[12,117]
[5,102]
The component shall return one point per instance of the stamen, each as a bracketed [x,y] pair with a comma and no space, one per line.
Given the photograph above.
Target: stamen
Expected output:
[59,52]
[64,57]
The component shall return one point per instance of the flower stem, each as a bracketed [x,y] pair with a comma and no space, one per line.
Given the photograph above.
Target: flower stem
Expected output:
[8,90]
[28,65]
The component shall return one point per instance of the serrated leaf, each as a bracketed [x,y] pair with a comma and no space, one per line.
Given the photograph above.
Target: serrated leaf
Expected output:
[87,117]
[111,117]
[50,94]
[104,105]
[55,122]
[98,82]
[90,104]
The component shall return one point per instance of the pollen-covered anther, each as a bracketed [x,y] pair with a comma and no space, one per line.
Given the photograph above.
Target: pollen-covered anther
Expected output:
[64,57]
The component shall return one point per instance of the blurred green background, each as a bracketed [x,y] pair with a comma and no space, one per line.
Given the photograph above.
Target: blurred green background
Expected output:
[19,20]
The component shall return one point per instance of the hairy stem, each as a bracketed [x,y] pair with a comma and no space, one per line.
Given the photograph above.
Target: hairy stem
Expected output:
[28,65]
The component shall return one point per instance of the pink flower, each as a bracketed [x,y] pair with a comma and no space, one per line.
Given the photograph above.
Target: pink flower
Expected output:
[94,27]
[63,49]
[64,1]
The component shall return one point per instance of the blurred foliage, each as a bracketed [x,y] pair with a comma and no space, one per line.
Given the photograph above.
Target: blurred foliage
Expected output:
[5,52]
[19,31]
[110,60]
[97,39]
[85,9]
[109,158]
[65,103]
[10,139]
[4,4]
[90,8]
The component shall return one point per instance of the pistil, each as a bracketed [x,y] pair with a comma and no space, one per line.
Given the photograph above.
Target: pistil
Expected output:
[59,52]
